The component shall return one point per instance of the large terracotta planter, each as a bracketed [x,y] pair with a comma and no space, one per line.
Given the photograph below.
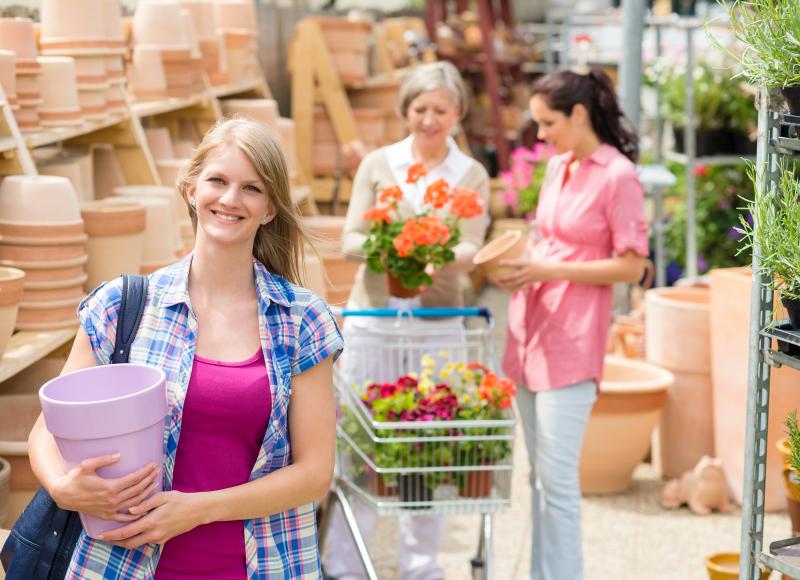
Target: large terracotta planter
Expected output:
[18,413]
[11,290]
[508,246]
[38,198]
[730,323]
[116,237]
[617,438]
[677,337]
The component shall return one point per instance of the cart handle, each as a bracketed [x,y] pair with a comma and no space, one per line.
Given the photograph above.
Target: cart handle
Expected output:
[421,312]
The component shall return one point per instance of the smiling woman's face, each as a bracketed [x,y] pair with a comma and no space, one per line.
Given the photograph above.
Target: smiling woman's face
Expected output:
[230,198]
[432,115]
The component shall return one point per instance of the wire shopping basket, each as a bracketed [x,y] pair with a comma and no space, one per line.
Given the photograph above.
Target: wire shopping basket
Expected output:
[442,466]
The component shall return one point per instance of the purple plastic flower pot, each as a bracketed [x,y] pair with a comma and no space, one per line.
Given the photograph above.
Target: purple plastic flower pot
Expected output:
[104,410]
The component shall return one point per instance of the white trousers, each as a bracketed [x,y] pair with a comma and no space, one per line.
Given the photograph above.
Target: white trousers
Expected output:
[554,423]
[420,538]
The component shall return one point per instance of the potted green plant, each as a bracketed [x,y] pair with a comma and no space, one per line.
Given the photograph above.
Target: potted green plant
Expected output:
[775,230]
[768,29]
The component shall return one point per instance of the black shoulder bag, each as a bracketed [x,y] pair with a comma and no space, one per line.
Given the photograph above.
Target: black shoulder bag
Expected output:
[42,540]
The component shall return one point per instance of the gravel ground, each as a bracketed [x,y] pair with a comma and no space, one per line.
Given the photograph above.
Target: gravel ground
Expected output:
[625,537]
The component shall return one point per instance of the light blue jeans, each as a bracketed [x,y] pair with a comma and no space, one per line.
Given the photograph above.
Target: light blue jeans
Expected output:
[554,423]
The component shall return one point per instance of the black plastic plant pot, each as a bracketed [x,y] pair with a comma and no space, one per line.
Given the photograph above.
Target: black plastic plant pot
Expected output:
[784,346]
[792,307]
[707,141]
[792,97]
[415,488]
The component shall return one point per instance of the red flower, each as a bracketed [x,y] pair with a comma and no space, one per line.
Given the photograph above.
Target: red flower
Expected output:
[391,195]
[378,214]
[701,170]
[466,203]
[437,194]
[415,172]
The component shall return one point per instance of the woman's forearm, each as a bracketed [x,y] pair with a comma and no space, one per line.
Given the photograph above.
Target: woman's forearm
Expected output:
[628,268]
[46,461]
[281,490]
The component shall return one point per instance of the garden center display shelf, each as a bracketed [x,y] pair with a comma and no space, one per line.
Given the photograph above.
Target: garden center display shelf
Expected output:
[52,136]
[25,348]
[152,108]
[7,144]
[778,139]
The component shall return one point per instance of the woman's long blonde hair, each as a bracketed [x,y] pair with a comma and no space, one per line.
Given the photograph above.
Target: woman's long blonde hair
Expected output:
[279,244]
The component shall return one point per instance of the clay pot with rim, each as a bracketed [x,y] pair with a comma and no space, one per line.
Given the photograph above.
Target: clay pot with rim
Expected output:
[17,34]
[11,291]
[508,246]
[74,24]
[177,207]
[159,23]
[18,413]
[678,338]
[791,482]
[75,165]
[394,287]
[116,238]
[203,18]
[169,170]
[147,80]
[60,105]
[158,250]
[38,198]
[617,438]
[48,314]
[725,566]
[38,233]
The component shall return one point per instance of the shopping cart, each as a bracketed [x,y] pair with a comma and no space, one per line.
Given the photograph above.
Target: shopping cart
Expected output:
[438,466]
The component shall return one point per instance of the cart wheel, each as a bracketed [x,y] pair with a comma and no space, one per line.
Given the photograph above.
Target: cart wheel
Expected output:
[478,572]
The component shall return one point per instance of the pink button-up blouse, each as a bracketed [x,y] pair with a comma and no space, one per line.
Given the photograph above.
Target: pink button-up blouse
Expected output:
[557,330]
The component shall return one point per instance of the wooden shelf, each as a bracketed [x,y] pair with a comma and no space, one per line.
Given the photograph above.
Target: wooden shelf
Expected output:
[236,88]
[52,136]
[7,144]
[25,348]
[151,108]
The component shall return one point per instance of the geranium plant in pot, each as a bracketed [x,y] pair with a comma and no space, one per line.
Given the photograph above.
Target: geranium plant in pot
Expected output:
[768,29]
[775,231]
[482,396]
[408,245]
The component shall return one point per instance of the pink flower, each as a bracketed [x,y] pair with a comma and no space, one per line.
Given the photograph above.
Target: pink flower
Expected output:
[542,151]
[524,155]
[522,173]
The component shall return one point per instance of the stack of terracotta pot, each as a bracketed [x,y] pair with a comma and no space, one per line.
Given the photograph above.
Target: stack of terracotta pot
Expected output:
[11,289]
[42,233]
[180,226]
[90,32]
[326,147]
[17,35]
[384,96]
[237,25]
[339,271]
[209,41]
[162,236]
[166,57]
[74,163]
[116,237]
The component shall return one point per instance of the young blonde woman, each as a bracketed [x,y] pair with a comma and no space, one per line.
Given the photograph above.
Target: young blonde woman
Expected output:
[432,101]
[592,234]
[249,436]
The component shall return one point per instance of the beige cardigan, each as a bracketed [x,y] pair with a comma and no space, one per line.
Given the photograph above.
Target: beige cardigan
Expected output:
[369,290]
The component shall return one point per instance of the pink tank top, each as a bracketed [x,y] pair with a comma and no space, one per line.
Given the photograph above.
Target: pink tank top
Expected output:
[225,417]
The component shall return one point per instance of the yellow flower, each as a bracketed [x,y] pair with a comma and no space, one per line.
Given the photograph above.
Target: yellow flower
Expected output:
[467,399]
[428,362]
[468,376]
[445,373]
[444,354]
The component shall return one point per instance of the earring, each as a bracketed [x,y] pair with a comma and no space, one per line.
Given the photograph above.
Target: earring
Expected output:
[265,221]
[193,203]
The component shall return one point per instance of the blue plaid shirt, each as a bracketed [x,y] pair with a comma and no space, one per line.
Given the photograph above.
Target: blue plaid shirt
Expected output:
[297,331]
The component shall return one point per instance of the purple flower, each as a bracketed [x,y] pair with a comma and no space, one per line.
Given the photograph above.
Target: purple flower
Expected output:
[734,233]
[702,265]
[748,217]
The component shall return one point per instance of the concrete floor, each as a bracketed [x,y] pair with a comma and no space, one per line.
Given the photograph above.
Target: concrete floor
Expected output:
[625,537]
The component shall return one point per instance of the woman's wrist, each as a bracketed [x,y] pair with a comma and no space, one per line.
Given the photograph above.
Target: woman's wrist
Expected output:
[208,509]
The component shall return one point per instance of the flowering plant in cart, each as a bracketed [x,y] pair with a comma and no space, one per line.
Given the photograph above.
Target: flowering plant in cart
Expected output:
[408,246]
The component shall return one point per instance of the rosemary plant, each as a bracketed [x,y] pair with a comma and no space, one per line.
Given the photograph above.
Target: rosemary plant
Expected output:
[775,228]
[770,32]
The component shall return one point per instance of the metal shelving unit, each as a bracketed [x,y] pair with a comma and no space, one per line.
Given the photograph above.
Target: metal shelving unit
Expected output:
[783,555]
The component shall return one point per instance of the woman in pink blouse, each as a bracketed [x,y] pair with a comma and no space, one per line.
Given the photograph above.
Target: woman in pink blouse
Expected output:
[592,234]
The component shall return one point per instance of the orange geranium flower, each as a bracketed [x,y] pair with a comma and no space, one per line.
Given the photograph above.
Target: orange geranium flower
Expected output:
[378,214]
[415,172]
[404,244]
[466,203]
[391,195]
[437,194]
[426,231]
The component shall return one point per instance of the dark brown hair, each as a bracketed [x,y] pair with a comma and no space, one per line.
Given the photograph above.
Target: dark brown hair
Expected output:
[564,89]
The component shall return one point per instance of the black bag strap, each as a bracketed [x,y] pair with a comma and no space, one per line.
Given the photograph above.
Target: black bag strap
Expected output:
[134,296]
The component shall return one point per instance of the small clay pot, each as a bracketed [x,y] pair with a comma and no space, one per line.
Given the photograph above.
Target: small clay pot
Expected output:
[508,246]
[17,34]
[38,198]
[78,23]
